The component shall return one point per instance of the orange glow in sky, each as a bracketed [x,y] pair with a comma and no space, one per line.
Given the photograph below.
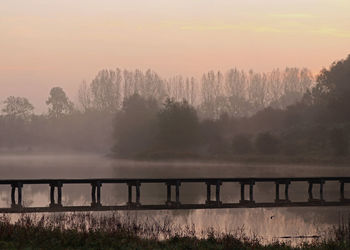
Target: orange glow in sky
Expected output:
[62,42]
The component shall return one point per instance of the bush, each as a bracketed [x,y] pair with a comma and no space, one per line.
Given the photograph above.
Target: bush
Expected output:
[266,143]
[242,144]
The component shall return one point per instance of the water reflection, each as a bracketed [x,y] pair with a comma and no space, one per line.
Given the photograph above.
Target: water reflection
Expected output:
[268,223]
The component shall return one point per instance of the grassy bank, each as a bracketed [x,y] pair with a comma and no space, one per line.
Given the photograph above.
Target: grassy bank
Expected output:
[283,159]
[252,158]
[84,231]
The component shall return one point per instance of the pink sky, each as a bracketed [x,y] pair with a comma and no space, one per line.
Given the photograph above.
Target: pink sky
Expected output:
[60,42]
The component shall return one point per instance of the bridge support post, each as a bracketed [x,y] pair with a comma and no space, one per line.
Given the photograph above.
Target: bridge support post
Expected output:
[342,196]
[19,186]
[251,184]
[251,198]
[169,201]
[342,191]
[177,192]
[286,193]
[242,192]
[96,194]
[138,194]
[129,194]
[168,193]
[208,193]
[59,195]
[53,186]
[137,185]
[217,185]
[286,188]
[311,198]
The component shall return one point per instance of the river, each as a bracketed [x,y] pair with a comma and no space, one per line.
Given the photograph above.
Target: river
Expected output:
[269,223]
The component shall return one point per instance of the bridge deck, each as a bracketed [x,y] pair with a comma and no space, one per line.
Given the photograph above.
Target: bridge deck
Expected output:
[135,183]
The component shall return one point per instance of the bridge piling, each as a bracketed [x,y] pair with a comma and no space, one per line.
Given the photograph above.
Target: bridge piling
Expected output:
[18,186]
[96,196]
[217,185]
[169,202]
[310,190]
[168,194]
[137,185]
[342,191]
[53,186]
[286,193]
[177,192]
[286,184]
[174,202]
[342,196]
[208,193]
[243,200]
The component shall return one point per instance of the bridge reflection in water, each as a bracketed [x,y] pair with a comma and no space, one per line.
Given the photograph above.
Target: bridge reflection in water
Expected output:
[133,203]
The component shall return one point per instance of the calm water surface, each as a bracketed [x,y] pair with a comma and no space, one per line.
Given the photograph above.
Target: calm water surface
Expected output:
[268,223]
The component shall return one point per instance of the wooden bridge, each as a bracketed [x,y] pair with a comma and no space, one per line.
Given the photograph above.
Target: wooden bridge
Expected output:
[134,203]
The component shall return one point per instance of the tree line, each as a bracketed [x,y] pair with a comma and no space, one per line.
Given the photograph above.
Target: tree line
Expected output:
[235,92]
[233,113]
[316,124]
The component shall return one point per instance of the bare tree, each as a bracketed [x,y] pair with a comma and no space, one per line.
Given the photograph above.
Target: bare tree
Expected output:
[257,90]
[211,91]
[84,97]
[106,90]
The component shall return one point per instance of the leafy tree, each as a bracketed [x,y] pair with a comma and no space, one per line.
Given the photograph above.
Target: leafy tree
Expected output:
[59,103]
[266,143]
[333,87]
[178,125]
[135,126]
[18,107]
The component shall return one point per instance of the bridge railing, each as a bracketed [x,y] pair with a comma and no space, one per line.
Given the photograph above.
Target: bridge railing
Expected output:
[56,186]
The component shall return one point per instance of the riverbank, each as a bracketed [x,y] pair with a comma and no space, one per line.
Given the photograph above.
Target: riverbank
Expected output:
[172,156]
[84,231]
[225,158]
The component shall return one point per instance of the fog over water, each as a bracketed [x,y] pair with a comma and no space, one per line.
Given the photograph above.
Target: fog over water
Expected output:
[175,89]
[265,222]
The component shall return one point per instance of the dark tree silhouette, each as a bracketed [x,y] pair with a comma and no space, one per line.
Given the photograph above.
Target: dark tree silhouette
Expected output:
[178,125]
[59,103]
[18,107]
[135,126]
[333,87]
